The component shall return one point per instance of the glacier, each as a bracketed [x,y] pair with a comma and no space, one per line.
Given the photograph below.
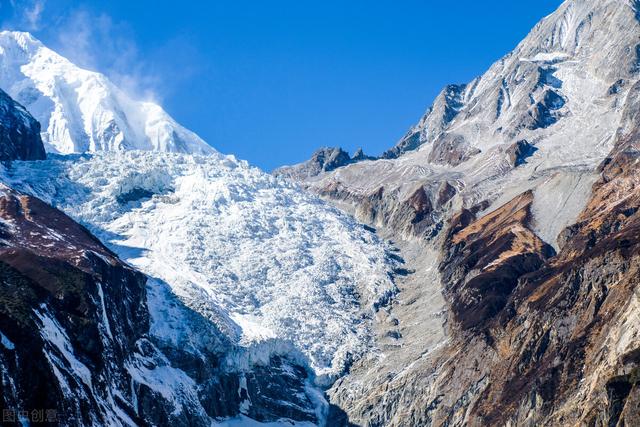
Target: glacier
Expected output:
[240,263]
[267,263]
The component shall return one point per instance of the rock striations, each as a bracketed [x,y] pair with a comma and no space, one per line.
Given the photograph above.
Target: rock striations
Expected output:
[519,189]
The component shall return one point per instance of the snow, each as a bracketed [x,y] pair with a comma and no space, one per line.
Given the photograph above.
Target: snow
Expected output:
[105,319]
[81,110]
[54,334]
[548,57]
[252,330]
[6,342]
[319,402]
[271,267]
[172,384]
[559,201]
[579,54]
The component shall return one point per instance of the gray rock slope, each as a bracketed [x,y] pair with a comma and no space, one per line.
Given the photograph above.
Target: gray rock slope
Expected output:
[491,196]
[323,160]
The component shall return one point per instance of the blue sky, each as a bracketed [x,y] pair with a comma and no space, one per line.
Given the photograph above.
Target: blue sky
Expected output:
[271,81]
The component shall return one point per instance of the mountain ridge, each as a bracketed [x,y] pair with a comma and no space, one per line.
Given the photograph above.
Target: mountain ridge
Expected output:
[231,334]
[537,131]
[81,110]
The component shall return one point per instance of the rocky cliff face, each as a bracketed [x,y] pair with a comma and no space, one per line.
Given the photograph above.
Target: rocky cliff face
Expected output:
[514,202]
[71,316]
[559,344]
[506,131]
[432,125]
[255,296]
[19,132]
[87,340]
[76,346]
[323,160]
[519,191]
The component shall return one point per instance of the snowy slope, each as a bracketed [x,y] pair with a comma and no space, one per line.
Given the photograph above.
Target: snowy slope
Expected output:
[82,111]
[271,266]
[561,94]
[561,91]
[557,78]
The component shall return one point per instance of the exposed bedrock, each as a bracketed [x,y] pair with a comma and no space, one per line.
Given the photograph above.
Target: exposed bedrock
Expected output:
[533,337]
[419,212]
[19,132]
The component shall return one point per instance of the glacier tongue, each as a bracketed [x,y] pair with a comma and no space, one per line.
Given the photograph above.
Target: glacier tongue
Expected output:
[81,110]
[270,265]
[245,271]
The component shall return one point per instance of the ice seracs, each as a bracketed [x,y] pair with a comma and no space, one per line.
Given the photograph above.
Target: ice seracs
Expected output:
[81,110]
[263,260]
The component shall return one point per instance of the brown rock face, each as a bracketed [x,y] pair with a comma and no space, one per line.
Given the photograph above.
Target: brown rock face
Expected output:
[534,337]
[418,213]
[75,339]
[541,339]
[486,258]
[451,149]
[55,274]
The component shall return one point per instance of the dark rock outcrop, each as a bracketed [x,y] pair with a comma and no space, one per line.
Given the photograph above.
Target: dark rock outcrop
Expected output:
[484,260]
[420,213]
[360,156]
[538,338]
[19,132]
[445,109]
[72,313]
[519,151]
[324,160]
[451,149]
[545,112]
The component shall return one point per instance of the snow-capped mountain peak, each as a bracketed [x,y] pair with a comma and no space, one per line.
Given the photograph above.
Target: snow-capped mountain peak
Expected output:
[82,110]
[581,51]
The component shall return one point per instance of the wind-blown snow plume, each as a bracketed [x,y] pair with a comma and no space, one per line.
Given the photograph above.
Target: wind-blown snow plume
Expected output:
[80,110]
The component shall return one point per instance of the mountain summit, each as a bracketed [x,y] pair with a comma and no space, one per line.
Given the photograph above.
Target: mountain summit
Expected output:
[211,293]
[519,190]
[82,111]
[585,49]
[543,116]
